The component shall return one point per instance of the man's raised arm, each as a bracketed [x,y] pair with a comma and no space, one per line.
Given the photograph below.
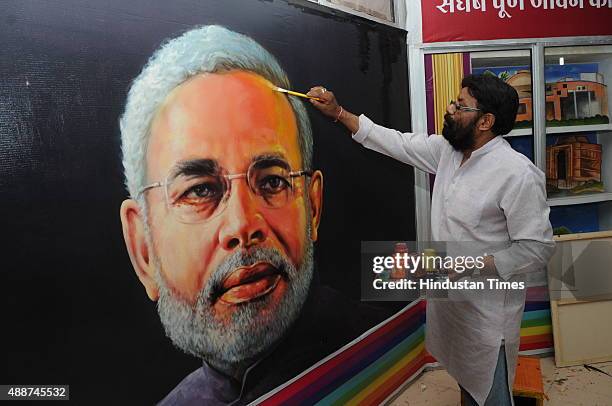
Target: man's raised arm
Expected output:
[419,150]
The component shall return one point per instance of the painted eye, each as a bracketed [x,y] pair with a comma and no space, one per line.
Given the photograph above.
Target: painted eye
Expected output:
[272,184]
[203,192]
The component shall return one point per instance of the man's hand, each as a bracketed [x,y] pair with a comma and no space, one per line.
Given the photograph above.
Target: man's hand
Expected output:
[330,107]
[328,104]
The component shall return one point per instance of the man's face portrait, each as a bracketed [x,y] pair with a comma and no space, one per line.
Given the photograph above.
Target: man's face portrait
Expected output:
[226,243]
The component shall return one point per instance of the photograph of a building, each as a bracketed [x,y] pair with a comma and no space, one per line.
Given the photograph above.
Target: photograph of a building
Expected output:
[576,94]
[574,164]
[575,99]
[566,99]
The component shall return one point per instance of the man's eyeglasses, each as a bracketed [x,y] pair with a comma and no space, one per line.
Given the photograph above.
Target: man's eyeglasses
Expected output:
[200,192]
[459,107]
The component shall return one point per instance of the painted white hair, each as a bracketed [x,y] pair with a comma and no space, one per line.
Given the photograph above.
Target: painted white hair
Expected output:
[207,49]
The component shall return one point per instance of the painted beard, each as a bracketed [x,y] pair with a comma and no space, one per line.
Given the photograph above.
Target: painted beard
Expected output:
[253,327]
[460,137]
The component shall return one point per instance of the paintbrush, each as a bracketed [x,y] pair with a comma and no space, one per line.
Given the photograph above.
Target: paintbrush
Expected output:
[291,92]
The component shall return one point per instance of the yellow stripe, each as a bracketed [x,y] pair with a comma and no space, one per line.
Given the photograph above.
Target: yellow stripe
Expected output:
[382,378]
[534,331]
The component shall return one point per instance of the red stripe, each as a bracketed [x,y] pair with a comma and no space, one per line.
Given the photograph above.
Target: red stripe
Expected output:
[537,293]
[536,346]
[429,359]
[538,338]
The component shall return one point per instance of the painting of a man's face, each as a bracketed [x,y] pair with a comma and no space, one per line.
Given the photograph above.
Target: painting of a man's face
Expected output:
[227,247]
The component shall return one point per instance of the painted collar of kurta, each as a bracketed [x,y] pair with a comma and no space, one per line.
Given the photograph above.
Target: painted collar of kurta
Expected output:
[223,388]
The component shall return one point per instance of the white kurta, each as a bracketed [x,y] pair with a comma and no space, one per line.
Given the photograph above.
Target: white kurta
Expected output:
[497,195]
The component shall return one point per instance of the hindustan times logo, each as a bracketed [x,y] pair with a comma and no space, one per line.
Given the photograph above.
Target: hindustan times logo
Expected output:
[429,284]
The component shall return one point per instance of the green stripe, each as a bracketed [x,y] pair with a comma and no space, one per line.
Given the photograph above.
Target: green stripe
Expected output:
[356,384]
[536,323]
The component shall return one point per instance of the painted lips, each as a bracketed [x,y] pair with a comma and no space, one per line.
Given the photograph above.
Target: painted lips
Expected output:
[249,283]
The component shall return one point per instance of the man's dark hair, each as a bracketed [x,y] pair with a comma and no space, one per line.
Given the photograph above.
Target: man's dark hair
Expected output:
[494,96]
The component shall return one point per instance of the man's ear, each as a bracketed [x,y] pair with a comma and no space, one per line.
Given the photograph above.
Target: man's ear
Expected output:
[315,194]
[135,238]
[487,121]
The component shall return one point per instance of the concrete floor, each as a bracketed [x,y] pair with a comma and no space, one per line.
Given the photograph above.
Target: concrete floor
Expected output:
[569,386]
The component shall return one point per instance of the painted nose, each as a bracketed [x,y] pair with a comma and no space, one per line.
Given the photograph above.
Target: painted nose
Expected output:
[244,224]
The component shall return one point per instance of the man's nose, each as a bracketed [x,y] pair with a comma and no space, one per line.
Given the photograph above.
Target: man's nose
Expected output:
[243,225]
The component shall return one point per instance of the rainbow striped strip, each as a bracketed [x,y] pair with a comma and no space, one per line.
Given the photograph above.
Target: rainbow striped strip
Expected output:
[373,367]
[536,327]
[365,371]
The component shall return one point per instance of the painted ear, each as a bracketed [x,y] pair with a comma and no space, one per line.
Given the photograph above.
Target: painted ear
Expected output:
[133,226]
[315,194]
[487,121]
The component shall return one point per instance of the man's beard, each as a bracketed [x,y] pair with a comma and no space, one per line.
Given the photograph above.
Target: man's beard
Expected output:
[252,328]
[460,137]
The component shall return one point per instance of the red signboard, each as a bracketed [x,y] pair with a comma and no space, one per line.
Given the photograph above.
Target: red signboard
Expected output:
[473,20]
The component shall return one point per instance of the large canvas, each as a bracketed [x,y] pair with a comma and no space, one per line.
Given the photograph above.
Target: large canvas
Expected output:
[77,306]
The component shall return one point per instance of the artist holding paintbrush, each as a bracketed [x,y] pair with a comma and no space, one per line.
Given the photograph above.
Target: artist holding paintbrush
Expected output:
[485,192]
